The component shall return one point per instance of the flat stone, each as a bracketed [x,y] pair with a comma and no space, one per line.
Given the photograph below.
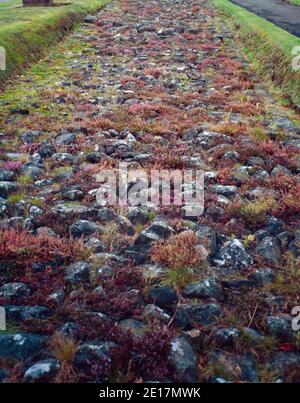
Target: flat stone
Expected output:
[226,337]
[189,314]
[78,273]
[208,288]
[280,327]
[20,313]
[234,254]
[65,138]
[228,191]
[269,249]
[42,371]
[90,353]
[154,313]
[208,237]
[20,346]
[136,327]
[7,187]
[183,359]
[263,276]
[14,290]
[164,296]
[157,231]
[284,363]
[74,209]
[85,227]
[6,175]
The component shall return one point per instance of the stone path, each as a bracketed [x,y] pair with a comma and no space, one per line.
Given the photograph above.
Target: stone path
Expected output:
[97,293]
[285,15]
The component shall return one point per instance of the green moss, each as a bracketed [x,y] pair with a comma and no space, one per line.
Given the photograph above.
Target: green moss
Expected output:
[27,33]
[268,46]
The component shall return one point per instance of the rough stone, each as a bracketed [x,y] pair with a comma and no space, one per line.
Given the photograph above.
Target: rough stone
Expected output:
[183,359]
[78,273]
[208,288]
[42,371]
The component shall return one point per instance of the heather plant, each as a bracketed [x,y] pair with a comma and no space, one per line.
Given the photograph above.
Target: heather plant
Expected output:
[19,249]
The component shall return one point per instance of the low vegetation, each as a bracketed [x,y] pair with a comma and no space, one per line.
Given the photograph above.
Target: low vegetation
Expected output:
[27,33]
[269,46]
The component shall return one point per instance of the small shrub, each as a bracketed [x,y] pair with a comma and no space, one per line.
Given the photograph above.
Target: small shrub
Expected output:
[259,134]
[25,180]
[35,202]
[180,254]
[63,348]
[267,374]
[179,277]
[287,281]
[255,212]
[139,228]
[19,249]
[12,165]
[178,251]
[112,239]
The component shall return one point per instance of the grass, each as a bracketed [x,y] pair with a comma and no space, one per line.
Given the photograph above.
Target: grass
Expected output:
[180,255]
[297,2]
[268,46]
[27,33]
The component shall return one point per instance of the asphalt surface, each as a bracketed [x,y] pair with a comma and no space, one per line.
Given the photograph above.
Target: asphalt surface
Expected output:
[286,16]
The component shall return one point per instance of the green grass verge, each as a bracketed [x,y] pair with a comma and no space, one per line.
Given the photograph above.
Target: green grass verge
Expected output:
[267,45]
[27,33]
[294,1]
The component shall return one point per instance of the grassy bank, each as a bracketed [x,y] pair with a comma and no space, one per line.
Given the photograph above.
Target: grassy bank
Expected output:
[27,33]
[269,46]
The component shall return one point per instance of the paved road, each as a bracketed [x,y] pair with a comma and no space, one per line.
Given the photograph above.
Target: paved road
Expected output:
[282,14]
